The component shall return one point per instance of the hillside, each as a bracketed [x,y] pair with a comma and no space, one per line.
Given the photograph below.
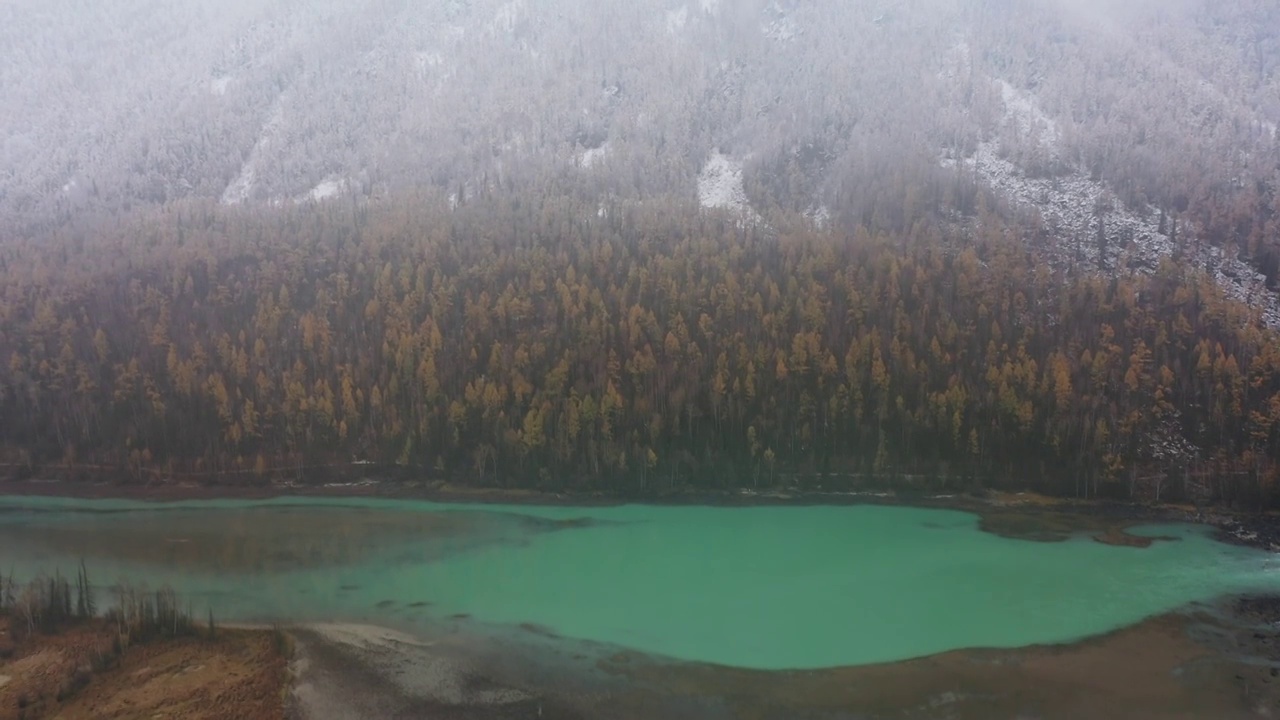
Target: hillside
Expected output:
[526,342]
[1089,114]
[629,246]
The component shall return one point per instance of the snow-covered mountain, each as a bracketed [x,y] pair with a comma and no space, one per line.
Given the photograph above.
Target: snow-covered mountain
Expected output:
[1112,123]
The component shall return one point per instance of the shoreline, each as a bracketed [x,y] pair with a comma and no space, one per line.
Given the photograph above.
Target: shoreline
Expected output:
[1014,515]
[1214,659]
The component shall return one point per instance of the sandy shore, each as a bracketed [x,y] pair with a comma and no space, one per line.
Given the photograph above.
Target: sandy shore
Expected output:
[353,672]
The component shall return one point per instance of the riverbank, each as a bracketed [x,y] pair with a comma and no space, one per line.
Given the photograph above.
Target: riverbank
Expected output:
[1027,516]
[238,673]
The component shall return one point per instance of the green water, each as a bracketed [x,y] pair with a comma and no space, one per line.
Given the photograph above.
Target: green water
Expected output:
[759,587]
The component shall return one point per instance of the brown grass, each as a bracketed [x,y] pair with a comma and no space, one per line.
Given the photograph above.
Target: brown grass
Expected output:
[240,674]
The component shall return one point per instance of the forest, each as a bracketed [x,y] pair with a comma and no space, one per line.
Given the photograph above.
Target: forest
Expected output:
[535,341]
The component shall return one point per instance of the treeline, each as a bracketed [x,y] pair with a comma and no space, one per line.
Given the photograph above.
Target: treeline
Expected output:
[534,342]
[44,605]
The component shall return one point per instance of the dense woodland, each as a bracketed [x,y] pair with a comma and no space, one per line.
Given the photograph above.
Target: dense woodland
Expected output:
[538,341]
[511,285]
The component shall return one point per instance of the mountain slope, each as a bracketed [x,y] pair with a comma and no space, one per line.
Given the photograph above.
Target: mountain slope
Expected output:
[1060,194]
[525,341]
[113,106]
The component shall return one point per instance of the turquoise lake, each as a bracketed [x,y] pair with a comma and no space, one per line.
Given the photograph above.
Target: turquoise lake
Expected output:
[768,587]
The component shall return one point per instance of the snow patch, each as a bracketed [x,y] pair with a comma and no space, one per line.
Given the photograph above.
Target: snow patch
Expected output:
[242,187]
[819,215]
[70,185]
[720,186]
[328,188]
[676,19]
[219,85]
[591,157]
[709,6]
[1077,211]
[1073,206]
[1023,112]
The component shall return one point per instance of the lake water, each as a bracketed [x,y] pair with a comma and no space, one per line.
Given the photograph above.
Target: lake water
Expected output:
[769,587]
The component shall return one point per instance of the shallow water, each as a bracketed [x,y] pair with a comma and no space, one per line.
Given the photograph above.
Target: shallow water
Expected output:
[776,587]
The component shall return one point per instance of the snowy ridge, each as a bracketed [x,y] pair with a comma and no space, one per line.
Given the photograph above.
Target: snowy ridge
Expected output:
[1086,221]
[1072,208]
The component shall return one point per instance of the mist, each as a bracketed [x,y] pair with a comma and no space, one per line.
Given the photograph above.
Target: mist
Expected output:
[109,107]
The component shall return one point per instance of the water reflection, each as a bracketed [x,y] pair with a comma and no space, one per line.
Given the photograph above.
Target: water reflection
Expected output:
[263,540]
[754,587]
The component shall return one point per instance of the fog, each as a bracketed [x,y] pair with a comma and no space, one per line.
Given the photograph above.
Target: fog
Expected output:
[110,106]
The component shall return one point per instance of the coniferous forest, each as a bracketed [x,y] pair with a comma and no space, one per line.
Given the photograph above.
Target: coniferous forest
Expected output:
[640,248]
[635,349]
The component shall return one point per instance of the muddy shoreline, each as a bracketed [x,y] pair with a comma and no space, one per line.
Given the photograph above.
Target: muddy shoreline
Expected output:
[1216,660]
[1209,660]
